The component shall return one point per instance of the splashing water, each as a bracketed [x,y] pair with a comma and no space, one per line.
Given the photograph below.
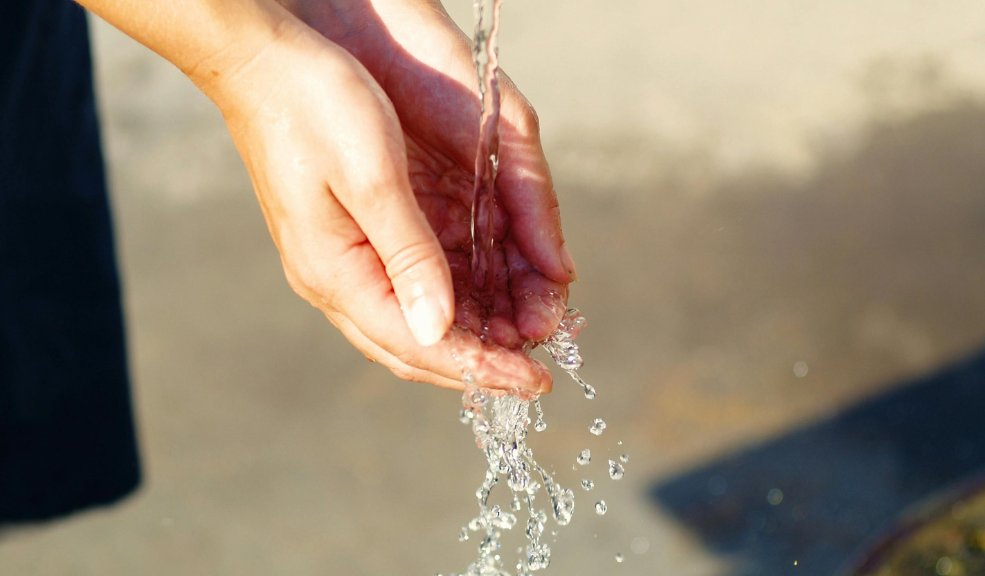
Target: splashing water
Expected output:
[584,457]
[540,425]
[616,470]
[597,427]
[500,421]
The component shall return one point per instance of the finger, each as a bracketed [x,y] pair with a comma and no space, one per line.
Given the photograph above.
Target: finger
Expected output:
[373,187]
[527,190]
[360,292]
[502,324]
[375,353]
[539,301]
[493,366]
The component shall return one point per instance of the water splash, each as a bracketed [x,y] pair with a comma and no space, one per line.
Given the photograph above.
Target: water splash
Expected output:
[616,471]
[540,425]
[597,427]
[584,457]
[500,423]
[565,353]
[499,420]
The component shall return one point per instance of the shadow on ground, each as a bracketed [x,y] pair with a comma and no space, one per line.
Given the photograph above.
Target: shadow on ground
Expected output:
[814,495]
[899,223]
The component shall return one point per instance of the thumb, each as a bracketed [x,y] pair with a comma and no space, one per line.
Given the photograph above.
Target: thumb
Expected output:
[383,204]
[417,268]
[374,187]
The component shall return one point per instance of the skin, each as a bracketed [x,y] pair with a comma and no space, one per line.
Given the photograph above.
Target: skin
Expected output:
[358,123]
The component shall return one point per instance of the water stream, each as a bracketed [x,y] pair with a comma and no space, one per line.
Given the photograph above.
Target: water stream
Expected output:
[500,422]
[485,55]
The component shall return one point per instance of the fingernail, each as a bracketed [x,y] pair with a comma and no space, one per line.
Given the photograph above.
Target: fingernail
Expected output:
[426,319]
[568,262]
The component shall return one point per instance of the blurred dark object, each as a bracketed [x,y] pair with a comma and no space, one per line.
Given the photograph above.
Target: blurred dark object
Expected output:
[803,503]
[67,439]
[943,537]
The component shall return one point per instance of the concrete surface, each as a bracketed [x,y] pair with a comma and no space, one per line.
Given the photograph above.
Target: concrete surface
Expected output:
[778,211]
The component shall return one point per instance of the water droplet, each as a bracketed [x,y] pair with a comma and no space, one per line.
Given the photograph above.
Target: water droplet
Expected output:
[601,508]
[504,521]
[489,545]
[624,458]
[597,427]
[534,529]
[587,389]
[466,416]
[463,535]
[564,507]
[479,397]
[616,470]
[639,545]
[774,497]
[584,457]
[538,557]
[587,484]
[800,369]
[539,425]
[619,558]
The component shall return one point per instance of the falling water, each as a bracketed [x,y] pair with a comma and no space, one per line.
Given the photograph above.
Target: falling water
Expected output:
[499,421]
[485,55]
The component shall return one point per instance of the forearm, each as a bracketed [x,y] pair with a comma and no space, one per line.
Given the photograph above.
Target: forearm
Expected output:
[205,39]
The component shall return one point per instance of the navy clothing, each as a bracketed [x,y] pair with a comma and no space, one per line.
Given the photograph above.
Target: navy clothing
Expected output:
[66,433]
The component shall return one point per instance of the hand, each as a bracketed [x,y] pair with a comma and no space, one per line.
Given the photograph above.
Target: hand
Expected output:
[363,171]
[361,152]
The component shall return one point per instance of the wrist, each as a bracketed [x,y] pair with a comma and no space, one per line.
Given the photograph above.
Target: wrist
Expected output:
[206,39]
[221,66]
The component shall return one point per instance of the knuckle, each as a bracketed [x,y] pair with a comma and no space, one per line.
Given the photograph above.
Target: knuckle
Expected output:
[311,284]
[299,281]
[411,260]
[405,372]
[373,188]
[529,120]
[406,356]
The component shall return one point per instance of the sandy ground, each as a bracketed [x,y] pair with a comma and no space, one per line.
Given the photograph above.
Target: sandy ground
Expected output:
[778,212]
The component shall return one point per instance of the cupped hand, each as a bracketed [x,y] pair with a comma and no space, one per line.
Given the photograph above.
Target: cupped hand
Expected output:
[360,141]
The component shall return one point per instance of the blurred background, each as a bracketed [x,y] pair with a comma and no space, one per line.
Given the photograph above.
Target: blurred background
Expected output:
[778,213]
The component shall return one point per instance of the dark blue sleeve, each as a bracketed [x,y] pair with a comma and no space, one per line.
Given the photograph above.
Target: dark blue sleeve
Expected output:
[67,437]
